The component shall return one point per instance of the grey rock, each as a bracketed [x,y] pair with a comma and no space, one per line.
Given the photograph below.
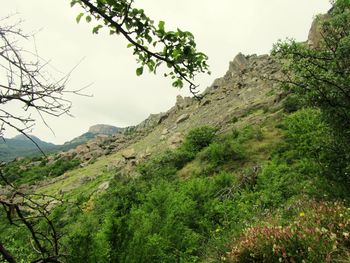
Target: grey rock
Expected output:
[239,63]
[182,118]
[175,140]
[103,187]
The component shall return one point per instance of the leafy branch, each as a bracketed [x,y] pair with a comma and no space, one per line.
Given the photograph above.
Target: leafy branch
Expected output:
[152,45]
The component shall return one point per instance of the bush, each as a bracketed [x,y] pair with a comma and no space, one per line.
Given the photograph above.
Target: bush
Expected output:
[164,165]
[320,233]
[219,153]
[28,171]
[198,138]
[306,131]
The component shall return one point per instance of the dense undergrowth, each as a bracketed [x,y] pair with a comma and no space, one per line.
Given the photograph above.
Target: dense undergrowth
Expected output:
[31,170]
[214,199]
[163,217]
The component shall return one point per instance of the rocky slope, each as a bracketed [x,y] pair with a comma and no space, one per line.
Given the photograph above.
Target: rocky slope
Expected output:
[21,146]
[245,95]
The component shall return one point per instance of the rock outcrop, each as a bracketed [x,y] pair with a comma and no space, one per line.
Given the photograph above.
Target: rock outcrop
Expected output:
[314,37]
[104,129]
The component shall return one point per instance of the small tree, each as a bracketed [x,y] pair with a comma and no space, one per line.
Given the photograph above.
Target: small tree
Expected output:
[320,74]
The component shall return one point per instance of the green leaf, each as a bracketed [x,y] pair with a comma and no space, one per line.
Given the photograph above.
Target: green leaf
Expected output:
[161,26]
[96,29]
[73,2]
[88,19]
[139,71]
[79,17]
[178,83]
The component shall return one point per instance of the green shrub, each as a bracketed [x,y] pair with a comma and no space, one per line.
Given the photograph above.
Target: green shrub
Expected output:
[219,153]
[306,131]
[198,138]
[27,171]
[234,119]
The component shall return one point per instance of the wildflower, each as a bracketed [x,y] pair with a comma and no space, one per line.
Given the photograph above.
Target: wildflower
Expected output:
[302,214]
[346,234]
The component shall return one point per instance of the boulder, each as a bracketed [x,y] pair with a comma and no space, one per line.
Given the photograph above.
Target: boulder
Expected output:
[129,154]
[163,117]
[182,118]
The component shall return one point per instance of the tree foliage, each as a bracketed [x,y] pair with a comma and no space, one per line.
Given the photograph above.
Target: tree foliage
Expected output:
[152,44]
[320,74]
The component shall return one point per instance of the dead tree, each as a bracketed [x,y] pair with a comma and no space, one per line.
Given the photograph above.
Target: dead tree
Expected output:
[26,88]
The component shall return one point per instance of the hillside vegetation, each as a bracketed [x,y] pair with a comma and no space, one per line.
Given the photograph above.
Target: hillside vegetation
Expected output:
[254,172]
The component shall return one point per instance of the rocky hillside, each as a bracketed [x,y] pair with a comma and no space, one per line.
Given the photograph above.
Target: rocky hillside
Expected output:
[244,96]
[21,146]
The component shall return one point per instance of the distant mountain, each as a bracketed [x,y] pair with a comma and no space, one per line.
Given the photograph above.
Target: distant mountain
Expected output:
[104,129]
[22,146]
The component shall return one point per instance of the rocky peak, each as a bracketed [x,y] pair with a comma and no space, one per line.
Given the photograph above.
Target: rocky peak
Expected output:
[104,129]
[314,36]
[239,63]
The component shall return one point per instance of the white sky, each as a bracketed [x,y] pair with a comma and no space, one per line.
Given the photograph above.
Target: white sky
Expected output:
[120,98]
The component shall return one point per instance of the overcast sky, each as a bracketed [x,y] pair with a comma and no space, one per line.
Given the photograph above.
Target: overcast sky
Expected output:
[120,98]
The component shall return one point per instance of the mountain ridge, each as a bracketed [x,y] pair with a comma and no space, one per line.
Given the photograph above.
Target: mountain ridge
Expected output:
[21,146]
